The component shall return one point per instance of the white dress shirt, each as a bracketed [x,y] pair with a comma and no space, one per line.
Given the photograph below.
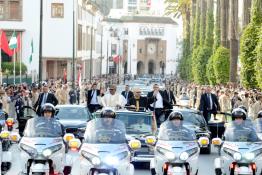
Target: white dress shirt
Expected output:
[94,98]
[115,100]
[159,101]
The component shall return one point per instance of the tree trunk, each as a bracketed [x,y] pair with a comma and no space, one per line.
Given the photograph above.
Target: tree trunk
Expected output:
[192,24]
[224,10]
[233,36]
[203,12]
[217,40]
[246,12]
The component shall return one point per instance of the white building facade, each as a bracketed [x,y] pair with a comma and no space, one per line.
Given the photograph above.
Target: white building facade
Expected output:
[147,45]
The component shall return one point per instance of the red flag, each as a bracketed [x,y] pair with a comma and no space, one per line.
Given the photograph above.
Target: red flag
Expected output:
[65,76]
[4,44]
[116,59]
[79,78]
[18,42]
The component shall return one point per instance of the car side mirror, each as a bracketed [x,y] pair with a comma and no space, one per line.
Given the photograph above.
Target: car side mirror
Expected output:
[56,111]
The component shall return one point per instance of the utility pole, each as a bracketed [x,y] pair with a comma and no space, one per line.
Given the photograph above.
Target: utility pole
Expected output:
[107,58]
[91,50]
[40,42]
[73,64]
[101,57]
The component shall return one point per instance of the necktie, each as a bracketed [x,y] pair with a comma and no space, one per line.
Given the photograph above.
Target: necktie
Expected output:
[137,104]
[44,99]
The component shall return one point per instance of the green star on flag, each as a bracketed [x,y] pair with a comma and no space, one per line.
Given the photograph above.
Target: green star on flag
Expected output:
[32,51]
[13,41]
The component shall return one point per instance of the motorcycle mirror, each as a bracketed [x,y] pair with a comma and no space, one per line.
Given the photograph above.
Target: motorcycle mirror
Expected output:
[134,144]
[15,137]
[68,137]
[216,141]
[203,141]
[74,144]
[150,140]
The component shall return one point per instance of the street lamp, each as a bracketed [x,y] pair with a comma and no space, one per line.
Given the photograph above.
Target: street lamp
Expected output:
[40,41]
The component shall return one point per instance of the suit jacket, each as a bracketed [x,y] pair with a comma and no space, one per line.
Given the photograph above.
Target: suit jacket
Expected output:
[89,95]
[204,103]
[172,99]
[50,99]
[144,102]
[166,104]
[130,94]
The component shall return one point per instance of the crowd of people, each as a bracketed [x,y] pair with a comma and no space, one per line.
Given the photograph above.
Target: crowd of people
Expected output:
[103,93]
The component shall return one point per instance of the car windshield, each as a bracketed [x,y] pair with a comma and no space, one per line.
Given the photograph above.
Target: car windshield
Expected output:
[42,127]
[236,132]
[170,132]
[193,118]
[258,125]
[136,123]
[73,113]
[105,131]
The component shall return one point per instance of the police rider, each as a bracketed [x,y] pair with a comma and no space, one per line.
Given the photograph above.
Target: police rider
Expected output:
[238,130]
[175,123]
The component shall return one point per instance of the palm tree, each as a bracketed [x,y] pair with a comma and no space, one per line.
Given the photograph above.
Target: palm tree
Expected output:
[233,37]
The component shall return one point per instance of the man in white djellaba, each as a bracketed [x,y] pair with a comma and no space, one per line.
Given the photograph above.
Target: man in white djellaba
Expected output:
[113,99]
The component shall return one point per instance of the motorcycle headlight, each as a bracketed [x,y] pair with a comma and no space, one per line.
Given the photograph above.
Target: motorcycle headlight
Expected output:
[112,160]
[95,160]
[51,150]
[168,154]
[184,156]
[237,156]
[249,156]
[29,150]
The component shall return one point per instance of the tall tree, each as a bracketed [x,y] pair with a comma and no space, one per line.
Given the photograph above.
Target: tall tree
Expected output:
[209,38]
[217,37]
[233,37]
[224,11]
[249,42]
[203,8]
[192,20]
[246,12]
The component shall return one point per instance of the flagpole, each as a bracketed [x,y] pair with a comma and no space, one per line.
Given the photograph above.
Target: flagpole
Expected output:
[1,75]
[20,51]
[14,65]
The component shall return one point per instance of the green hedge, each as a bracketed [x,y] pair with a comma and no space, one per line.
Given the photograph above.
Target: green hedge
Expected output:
[259,60]
[10,67]
[210,72]
[221,64]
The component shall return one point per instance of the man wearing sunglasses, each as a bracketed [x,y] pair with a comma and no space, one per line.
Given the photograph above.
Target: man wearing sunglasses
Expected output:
[113,99]
[139,103]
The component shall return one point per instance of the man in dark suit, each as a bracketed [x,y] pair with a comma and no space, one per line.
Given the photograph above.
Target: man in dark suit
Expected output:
[160,103]
[209,104]
[127,94]
[44,98]
[92,98]
[170,95]
[139,103]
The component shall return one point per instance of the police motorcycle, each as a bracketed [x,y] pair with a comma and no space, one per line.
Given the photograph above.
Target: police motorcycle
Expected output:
[258,125]
[241,150]
[104,150]
[42,148]
[176,150]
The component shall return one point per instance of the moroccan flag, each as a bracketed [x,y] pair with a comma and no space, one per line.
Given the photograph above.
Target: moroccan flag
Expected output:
[13,44]
[4,44]
[65,76]
[32,51]
[116,58]
[79,79]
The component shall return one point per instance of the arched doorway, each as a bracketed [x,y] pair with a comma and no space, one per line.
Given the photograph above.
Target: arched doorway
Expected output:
[125,68]
[151,67]
[162,66]
[140,68]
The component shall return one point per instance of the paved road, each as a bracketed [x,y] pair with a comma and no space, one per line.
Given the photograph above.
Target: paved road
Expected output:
[205,164]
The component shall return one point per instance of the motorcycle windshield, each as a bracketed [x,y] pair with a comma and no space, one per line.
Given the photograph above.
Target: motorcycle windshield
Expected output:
[175,131]
[42,127]
[105,131]
[239,132]
[258,125]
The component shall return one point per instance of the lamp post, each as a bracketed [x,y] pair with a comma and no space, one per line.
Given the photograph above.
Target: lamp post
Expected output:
[73,52]
[40,41]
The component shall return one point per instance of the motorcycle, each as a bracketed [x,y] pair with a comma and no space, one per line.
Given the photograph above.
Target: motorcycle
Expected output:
[104,150]
[176,151]
[238,155]
[10,123]
[258,127]
[42,149]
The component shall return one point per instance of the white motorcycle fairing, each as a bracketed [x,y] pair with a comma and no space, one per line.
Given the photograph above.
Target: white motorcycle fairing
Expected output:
[114,157]
[34,154]
[176,165]
[250,153]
